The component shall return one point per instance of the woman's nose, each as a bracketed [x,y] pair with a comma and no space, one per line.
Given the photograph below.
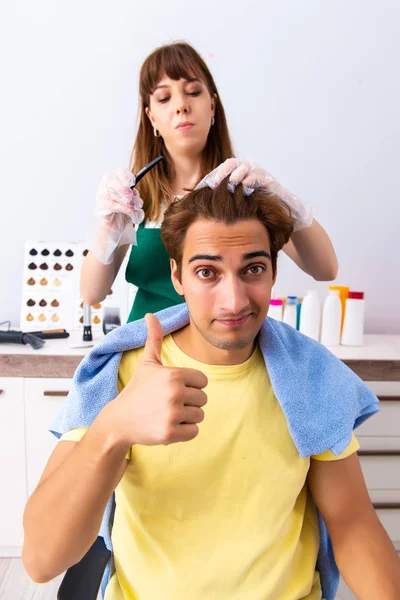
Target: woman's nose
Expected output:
[182,106]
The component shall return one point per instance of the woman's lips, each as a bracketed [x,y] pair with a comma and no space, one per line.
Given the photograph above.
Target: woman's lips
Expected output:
[185,126]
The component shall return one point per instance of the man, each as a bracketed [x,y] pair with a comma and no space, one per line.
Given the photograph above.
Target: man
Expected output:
[215,490]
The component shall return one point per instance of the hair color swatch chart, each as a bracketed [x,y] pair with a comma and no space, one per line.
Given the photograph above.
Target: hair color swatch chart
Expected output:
[50,288]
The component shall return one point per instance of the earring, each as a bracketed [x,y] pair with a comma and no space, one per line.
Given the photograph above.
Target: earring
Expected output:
[156,132]
[212,121]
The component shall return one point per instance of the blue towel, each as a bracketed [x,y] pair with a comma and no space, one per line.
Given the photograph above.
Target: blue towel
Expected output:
[323,400]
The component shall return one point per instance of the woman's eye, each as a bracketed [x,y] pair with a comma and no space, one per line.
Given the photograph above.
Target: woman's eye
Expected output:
[255,269]
[194,94]
[163,100]
[205,273]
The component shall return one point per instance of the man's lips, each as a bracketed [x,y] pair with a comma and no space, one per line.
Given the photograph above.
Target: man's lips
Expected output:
[233,322]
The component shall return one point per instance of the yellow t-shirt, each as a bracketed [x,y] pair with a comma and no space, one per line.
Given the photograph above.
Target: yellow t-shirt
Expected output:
[225,515]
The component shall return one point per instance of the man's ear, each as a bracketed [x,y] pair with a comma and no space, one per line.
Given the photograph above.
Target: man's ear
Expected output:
[276,274]
[175,278]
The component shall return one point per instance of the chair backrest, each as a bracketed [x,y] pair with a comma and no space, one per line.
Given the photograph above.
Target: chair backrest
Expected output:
[82,581]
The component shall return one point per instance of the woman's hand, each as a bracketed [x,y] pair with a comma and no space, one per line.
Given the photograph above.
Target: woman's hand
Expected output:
[118,210]
[253,177]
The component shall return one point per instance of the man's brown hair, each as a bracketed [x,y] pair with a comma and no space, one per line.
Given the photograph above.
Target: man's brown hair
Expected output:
[226,207]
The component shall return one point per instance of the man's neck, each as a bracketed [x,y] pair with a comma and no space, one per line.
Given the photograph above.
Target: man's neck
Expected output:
[187,172]
[192,343]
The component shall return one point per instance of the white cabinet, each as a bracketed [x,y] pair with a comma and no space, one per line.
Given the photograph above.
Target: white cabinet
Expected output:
[43,400]
[12,465]
[382,476]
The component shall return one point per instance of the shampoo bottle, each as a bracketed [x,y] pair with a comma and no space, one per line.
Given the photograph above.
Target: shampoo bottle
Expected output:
[331,319]
[275,310]
[290,311]
[353,326]
[310,317]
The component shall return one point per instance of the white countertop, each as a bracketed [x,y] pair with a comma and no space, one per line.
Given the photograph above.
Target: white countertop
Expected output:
[58,347]
[375,347]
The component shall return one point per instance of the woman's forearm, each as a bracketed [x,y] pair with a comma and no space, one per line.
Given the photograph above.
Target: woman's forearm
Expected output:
[312,250]
[98,278]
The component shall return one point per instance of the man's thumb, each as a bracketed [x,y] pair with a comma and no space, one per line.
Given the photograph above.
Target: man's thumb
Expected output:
[152,349]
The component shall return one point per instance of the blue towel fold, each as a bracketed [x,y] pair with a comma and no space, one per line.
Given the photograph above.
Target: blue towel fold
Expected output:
[322,399]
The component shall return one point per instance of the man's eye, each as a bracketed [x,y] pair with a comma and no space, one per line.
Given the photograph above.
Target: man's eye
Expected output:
[205,273]
[255,269]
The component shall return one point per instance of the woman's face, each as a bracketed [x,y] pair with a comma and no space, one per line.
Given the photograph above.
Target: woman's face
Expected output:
[182,112]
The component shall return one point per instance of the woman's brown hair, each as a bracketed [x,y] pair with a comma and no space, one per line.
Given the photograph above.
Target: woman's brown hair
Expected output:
[177,60]
[229,208]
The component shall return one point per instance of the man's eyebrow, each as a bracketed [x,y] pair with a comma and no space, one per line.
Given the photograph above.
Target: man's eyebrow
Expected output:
[217,257]
[255,254]
[205,257]
[165,85]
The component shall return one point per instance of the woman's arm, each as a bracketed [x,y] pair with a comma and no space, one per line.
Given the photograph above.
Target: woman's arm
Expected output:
[312,250]
[98,278]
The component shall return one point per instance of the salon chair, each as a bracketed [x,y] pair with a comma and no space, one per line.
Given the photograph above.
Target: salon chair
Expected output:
[82,581]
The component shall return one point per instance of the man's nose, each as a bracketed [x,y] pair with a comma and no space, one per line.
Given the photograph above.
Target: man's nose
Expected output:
[232,297]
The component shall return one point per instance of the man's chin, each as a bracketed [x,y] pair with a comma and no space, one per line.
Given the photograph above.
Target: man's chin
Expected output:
[231,342]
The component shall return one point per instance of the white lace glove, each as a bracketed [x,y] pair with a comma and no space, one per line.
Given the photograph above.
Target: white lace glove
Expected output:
[253,177]
[118,210]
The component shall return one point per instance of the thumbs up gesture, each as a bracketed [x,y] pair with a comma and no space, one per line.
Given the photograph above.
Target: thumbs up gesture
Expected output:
[160,405]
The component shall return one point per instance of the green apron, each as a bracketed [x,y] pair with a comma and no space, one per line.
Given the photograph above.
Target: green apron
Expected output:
[149,270]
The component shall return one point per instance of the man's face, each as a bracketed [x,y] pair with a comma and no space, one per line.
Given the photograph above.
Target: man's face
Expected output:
[226,280]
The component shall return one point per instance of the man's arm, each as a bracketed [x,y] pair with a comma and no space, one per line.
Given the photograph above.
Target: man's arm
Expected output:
[64,513]
[363,551]
[159,405]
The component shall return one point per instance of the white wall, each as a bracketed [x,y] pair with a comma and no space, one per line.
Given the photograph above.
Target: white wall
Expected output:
[311,91]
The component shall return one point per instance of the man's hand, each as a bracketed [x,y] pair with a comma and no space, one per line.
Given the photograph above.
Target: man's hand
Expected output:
[159,405]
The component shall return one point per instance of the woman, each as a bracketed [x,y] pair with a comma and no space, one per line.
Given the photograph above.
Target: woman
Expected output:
[181,118]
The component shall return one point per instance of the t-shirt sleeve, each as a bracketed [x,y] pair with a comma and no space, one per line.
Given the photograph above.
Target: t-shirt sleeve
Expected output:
[75,435]
[328,455]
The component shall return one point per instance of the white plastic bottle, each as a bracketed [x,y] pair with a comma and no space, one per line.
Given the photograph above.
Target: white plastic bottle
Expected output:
[331,319]
[353,326]
[275,310]
[290,311]
[310,316]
